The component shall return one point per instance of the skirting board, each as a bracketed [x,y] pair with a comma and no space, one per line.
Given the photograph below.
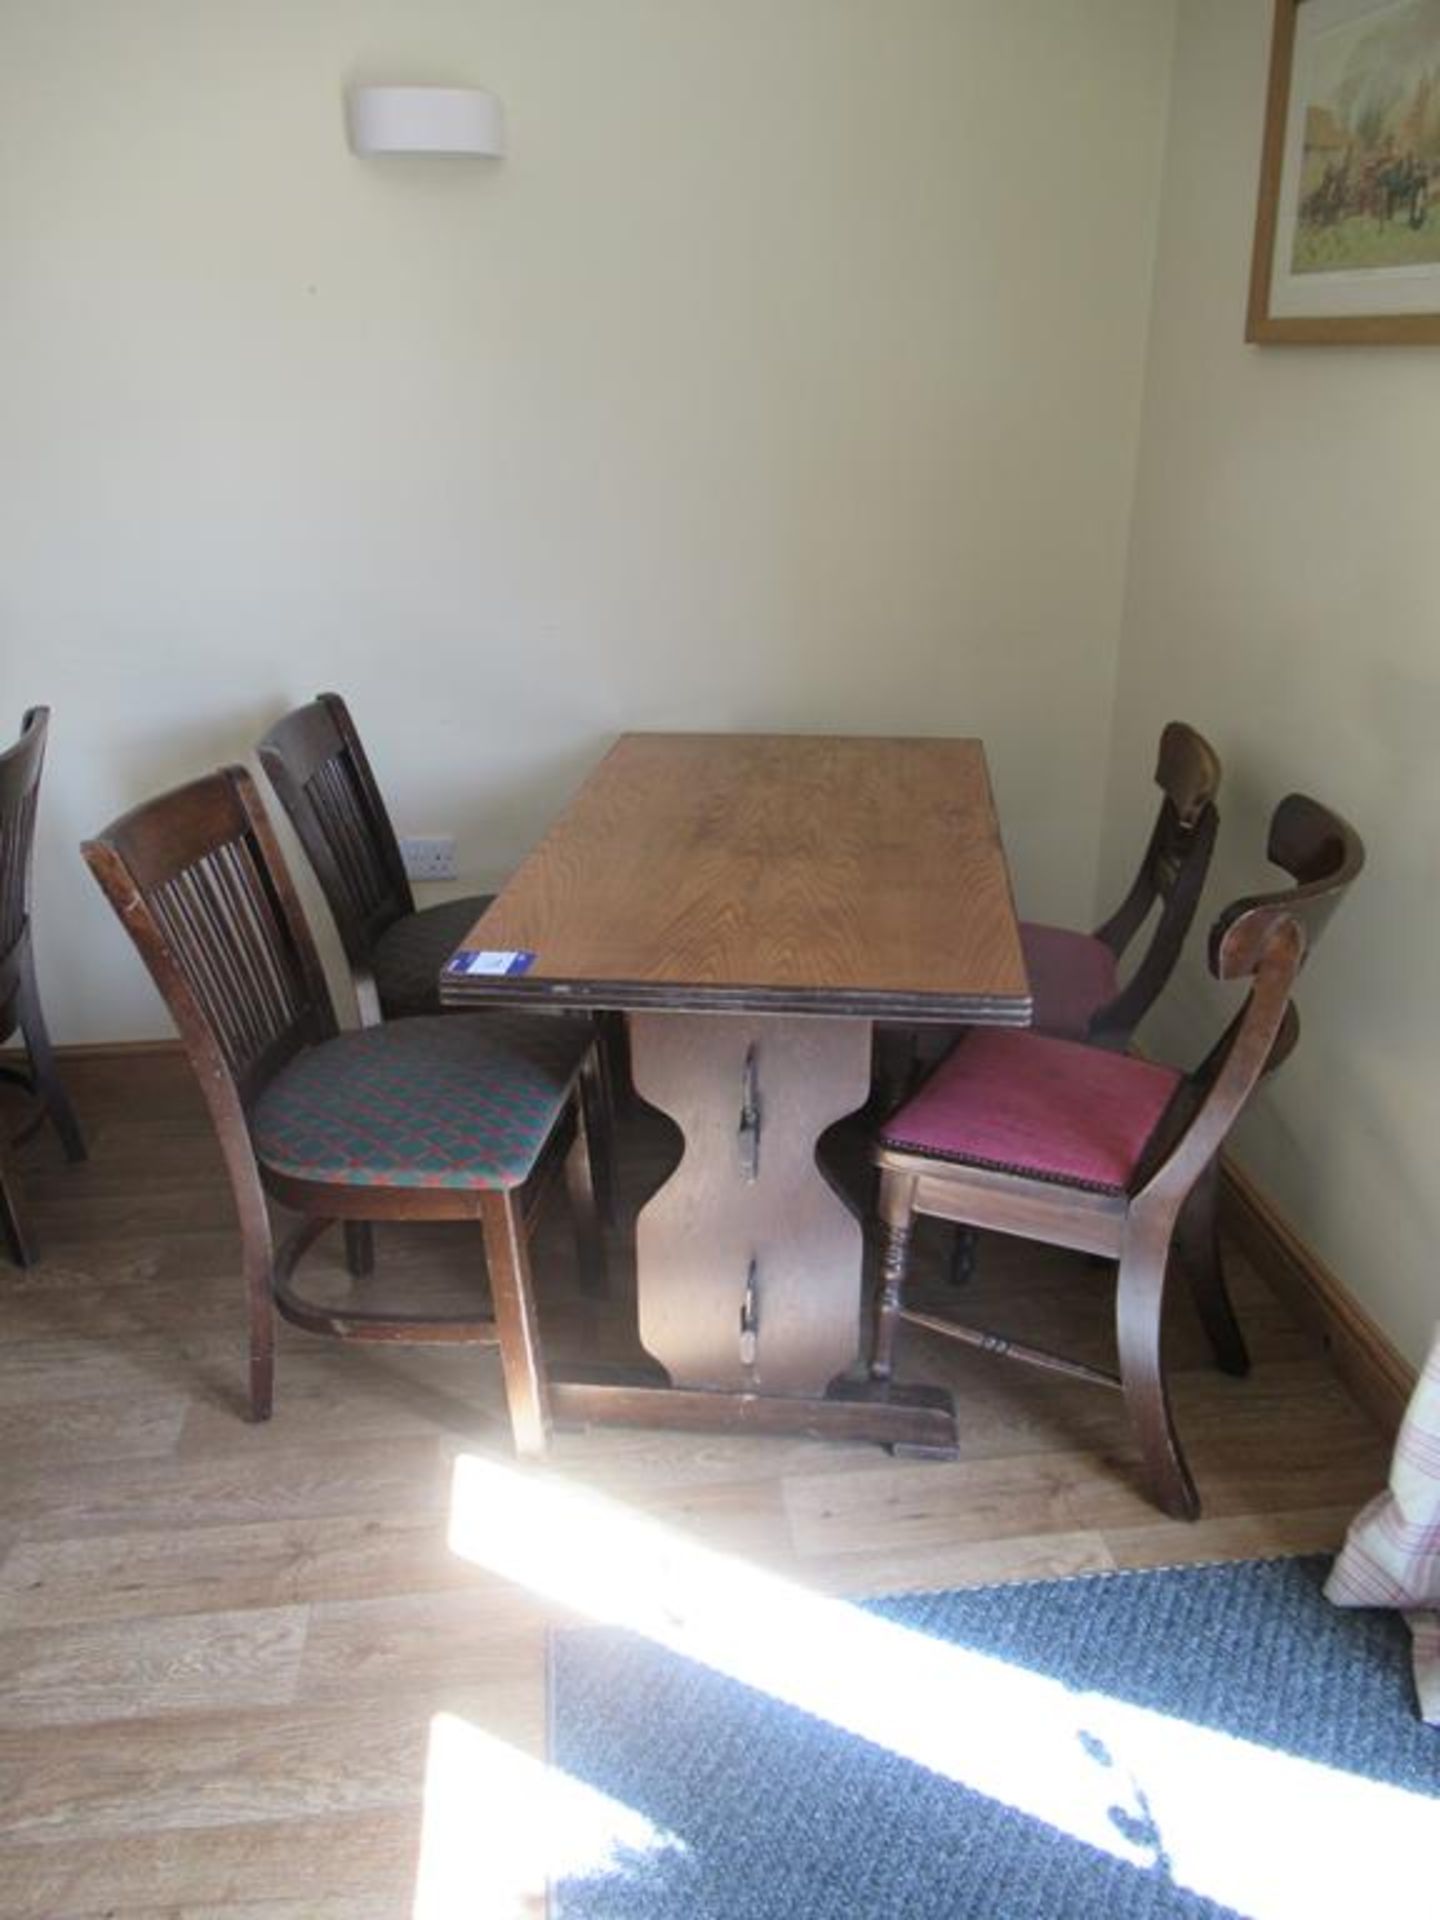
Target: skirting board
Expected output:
[1376,1374]
[100,1050]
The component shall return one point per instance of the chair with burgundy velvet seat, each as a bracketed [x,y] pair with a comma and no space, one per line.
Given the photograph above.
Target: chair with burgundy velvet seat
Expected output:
[455,1117]
[1114,1156]
[1075,983]
[1075,977]
[20,1010]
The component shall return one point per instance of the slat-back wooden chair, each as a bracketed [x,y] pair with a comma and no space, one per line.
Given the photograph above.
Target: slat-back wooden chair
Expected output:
[1075,977]
[20,1009]
[446,1118]
[1114,1156]
[315,761]
[318,767]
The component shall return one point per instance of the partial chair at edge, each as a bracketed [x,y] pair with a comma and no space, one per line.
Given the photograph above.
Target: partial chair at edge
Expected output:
[457,1117]
[1111,1155]
[20,1010]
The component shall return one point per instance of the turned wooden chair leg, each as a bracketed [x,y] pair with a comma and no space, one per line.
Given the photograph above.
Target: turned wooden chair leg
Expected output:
[48,1084]
[359,1248]
[1198,1244]
[512,1295]
[21,1247]
[897,1224]
[964,1251]
[1139,1300]
[582,1177]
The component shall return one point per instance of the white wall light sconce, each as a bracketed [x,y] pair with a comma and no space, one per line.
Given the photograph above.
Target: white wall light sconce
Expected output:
[461,120]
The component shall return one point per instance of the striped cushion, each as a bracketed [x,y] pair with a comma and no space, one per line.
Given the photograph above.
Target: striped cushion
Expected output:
[1072,975]
[1051,1109]
[458,1100]
[408,956]
[1391,1556]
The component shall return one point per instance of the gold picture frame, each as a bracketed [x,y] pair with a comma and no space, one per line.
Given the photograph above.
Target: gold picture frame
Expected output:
[1347,231]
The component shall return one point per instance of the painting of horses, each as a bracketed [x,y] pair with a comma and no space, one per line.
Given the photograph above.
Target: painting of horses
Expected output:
[1348,234]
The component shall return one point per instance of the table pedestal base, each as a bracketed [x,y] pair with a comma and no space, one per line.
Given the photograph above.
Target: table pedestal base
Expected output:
[749,1260]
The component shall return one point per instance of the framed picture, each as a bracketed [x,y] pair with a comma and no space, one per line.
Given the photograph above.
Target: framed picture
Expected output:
[1347,236]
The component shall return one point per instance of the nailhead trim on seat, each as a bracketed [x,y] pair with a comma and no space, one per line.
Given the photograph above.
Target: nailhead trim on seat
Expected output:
[1048,1109]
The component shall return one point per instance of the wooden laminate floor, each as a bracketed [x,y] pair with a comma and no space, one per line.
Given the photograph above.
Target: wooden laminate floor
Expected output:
[223,1648]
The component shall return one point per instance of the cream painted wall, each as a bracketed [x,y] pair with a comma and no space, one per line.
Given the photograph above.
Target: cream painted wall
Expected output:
[786,374]
[1284,595]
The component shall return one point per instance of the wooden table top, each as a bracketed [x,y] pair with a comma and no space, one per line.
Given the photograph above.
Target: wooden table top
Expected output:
[777,873]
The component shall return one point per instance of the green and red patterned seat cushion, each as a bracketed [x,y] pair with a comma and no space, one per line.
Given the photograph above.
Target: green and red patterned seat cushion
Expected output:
[408,956]
[1049,1109]
[457,1100]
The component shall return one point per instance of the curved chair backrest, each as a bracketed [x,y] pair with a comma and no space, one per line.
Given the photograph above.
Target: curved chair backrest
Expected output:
[20,768]
[1172,872]
[321,776]
[199,883]
[1267,937]
[1321,852]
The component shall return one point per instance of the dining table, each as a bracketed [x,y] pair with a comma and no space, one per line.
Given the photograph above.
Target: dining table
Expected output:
[754,904]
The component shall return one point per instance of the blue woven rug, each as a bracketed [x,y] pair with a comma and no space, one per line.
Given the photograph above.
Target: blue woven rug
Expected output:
[752,1808]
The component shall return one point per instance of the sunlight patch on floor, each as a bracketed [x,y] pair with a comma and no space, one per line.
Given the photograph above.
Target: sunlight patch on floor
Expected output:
[497,1823]
[1273,1836]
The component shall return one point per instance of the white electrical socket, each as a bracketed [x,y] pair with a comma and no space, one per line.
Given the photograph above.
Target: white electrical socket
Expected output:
[429,856]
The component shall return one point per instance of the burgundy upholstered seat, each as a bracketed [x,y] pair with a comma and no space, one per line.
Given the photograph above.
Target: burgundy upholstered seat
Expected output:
[1072,975]
[1024,1103]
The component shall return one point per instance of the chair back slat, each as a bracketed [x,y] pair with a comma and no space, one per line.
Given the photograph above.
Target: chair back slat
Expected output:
[198,880]
[1166,866]
[1187,771]
[1171,876]
[1322,853]
[1268,937]
[1212,1098]
[349,829]
[17,838]
[20,767]
[214,916]
[321,775]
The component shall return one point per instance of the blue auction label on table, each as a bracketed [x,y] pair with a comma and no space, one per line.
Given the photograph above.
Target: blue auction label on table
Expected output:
[493,963]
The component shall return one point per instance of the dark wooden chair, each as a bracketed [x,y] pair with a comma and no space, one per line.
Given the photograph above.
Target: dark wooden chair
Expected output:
[1075,977]
[20,1010]
[1114,1156]
[1075,982]
[314,760]
[456,1117]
